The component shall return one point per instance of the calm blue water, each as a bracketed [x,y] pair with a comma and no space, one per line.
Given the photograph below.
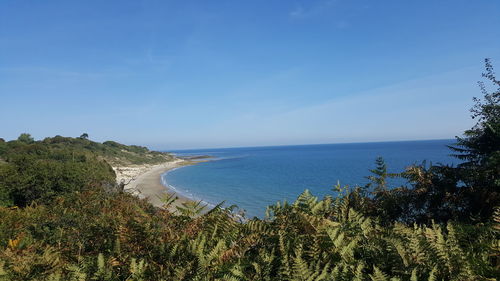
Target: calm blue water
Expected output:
[256,177]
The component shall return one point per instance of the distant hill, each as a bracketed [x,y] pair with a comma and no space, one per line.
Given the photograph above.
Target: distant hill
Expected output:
[113,152]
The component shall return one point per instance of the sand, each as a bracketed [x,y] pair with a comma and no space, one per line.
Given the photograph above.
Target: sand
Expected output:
[144,181]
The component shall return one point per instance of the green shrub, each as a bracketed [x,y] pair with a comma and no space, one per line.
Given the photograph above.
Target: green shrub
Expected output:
[36,172]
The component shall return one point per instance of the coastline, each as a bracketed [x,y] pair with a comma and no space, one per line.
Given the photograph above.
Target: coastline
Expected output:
[144,181]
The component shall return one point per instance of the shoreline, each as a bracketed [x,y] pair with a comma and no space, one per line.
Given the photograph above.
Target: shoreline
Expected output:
[145,182]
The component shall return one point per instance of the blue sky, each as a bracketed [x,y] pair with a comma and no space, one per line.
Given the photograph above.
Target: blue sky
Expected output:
[190,74]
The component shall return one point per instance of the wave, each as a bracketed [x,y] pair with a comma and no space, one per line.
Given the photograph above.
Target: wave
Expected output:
[182,192]
[186,194]
[229,157]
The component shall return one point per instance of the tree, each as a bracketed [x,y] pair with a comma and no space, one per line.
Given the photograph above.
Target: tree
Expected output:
[480,145]
[380,175]
[84,136]
[26,138]
[387,204]
[49,172]
[439,193]
[479,148]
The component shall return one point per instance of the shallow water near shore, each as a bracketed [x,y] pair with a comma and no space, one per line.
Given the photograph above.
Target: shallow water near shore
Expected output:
[256,177]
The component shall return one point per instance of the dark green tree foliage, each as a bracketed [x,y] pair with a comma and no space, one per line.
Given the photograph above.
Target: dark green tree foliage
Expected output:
[134,148]
[471,190]
[438,193]
[39,172]
[5,196]
[388,204]
[3,147]
[113,152]
[26,138]
[480,150]
[84,136]
[379,178]
[434,195]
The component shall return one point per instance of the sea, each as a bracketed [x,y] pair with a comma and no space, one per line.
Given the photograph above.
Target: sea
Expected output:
[255,177]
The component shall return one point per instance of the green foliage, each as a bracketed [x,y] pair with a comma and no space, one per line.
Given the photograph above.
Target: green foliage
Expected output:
[3,147]
[480,150]
[191,208]
[379,178]
[113,152]
[100,236]
[469,192]
[38,171]
[5,196]
[25,138]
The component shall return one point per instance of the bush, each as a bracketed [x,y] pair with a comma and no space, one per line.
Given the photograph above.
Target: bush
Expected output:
[26,138]
[35,172]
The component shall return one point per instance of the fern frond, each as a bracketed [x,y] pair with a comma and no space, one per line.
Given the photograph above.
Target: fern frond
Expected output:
[378,275]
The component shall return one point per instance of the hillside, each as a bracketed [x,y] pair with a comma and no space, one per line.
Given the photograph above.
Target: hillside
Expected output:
[39,170]
[114,153]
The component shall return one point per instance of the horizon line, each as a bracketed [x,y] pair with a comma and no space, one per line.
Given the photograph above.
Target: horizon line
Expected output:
[305,144]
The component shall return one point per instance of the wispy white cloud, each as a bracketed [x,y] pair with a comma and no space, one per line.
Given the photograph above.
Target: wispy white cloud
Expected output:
[62,72]
[343,24]
[301,12]
[150,58]
[426,108]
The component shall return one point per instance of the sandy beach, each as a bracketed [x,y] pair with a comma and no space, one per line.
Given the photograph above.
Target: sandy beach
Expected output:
[144,181]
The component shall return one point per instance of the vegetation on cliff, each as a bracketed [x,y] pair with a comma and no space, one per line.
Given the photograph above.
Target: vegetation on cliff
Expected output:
[40,170]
